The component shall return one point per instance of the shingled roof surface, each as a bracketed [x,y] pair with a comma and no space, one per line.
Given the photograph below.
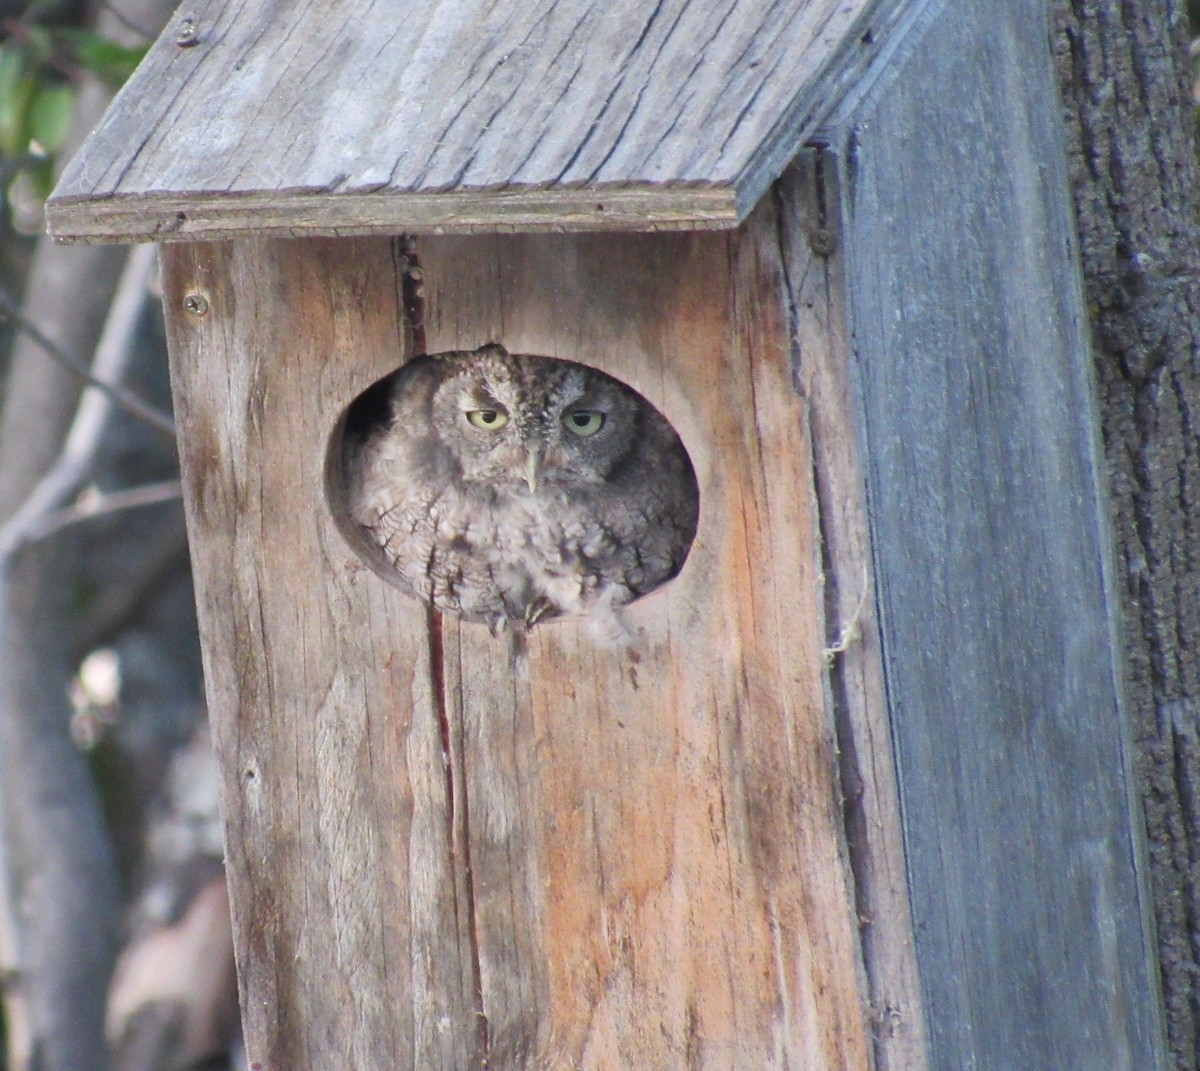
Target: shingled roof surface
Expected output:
[350,116]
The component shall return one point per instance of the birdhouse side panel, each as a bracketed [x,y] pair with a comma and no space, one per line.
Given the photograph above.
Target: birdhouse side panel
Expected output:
[814,254]
[989,526]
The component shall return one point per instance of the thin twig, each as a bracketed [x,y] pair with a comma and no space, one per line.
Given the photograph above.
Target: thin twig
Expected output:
[72,468]
[127,400]
[90,506]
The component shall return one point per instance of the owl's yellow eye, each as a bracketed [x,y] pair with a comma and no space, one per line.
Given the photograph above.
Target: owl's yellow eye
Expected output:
[583,421]
[487,419]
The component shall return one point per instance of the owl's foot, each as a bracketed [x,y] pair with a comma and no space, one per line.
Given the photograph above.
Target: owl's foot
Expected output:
[539,609]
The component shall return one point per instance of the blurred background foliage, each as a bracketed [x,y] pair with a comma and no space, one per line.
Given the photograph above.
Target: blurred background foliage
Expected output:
[44,51]
[46,46]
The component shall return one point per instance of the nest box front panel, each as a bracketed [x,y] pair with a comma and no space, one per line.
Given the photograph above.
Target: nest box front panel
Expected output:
[459,842]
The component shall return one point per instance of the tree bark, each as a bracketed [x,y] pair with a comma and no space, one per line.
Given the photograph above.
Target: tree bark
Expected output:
[1126,85]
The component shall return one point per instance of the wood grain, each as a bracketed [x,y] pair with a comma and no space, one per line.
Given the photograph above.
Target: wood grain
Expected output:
[698,909]
[449,850]
[313,680]
[1137,228]
[353,117]
[814,259]
[988,520]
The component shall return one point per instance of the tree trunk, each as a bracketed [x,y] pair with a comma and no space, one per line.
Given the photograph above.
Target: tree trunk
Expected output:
[60,901]
[1126,86]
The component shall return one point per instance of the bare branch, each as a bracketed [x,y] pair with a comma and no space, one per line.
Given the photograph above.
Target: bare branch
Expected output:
[91,506]
[43,934]
[126,399]
[66,477]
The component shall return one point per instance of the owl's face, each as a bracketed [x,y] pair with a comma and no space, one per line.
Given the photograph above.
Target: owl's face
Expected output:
[533,425]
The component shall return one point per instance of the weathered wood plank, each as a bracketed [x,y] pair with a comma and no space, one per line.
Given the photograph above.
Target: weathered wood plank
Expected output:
[681,109]
[319,686]
[988,522]
[815,262]
[696,910]
[444,845]
[158,217]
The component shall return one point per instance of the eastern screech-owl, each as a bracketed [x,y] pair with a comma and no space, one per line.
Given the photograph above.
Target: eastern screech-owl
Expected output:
[512,488]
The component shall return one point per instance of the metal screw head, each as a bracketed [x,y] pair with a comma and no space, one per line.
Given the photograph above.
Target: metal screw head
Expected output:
[196,304]
[187,34]
[821,241]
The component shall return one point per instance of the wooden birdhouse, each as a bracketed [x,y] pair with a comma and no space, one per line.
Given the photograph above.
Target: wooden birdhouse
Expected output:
[857,794]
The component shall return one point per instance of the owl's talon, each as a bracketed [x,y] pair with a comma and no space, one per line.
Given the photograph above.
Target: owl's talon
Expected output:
[537,610]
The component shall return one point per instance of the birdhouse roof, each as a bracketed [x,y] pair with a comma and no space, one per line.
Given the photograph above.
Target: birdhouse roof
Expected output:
[363,116]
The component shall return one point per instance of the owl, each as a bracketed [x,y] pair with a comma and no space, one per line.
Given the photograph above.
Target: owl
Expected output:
[513,489]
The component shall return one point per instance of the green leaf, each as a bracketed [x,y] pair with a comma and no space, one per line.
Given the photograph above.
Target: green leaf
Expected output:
[107,60]
[50,114]
[38,43]
[17,88]
[12,70]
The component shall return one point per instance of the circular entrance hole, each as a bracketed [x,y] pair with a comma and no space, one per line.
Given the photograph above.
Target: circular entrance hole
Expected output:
[513,489]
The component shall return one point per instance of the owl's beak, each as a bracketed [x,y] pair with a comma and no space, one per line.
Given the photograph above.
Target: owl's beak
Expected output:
[532,466]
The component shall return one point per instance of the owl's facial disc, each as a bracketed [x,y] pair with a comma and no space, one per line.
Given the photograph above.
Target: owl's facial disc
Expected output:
[579,422]
[478,419]
[512,425]
[591,424]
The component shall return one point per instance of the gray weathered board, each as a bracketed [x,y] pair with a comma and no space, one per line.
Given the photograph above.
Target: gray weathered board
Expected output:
[343,116]
[992,546]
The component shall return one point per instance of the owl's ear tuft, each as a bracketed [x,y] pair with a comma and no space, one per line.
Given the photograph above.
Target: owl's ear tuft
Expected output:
[491,349]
